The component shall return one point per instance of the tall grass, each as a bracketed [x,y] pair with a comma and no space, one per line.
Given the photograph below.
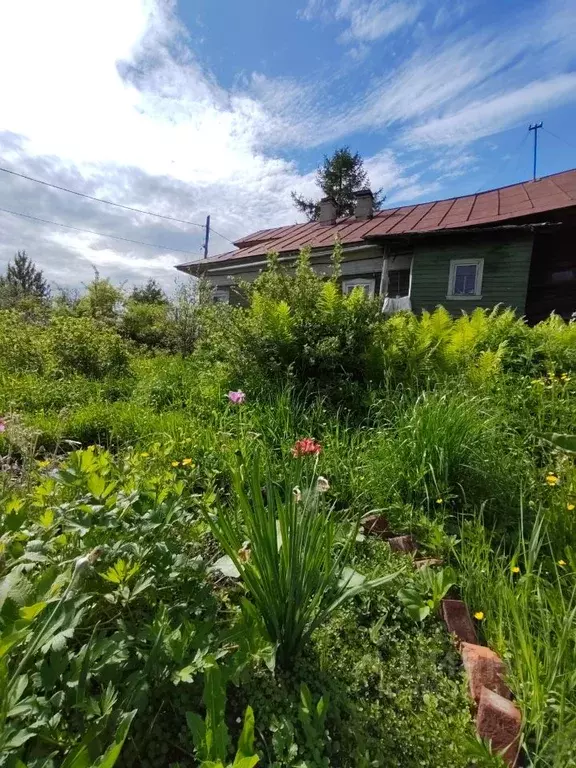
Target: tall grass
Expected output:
[530,618]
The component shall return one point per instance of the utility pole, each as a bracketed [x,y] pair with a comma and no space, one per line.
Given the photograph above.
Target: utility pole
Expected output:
[207,237]
[535,128]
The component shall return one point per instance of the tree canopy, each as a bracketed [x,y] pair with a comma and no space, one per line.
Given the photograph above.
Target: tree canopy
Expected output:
[151,293]
[24,280]
[339,176]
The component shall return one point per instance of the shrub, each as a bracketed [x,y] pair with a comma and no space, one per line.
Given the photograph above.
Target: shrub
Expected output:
[302,326]
[146,324]
[86,346]
[20,343]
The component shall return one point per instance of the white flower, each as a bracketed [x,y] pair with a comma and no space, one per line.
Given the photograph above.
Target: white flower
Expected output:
[322,485]
[297,494]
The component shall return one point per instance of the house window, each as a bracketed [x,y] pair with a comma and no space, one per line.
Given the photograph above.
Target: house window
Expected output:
[221,295]
[366,283]
[465,281]
[398,282]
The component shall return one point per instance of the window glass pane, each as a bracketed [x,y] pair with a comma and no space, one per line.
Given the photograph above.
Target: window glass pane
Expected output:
[398,282]
[367,286]
[465,279]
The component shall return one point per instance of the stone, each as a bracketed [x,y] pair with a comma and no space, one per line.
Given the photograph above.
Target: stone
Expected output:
[485,669]
[499,721]
[428,562]
[458,621]
[377,525]
[405,544]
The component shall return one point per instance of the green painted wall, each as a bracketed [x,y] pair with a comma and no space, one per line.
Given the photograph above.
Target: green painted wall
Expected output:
[505,279]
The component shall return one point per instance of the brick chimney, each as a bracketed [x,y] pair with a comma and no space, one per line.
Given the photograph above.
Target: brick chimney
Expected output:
[327,211]
[364,205]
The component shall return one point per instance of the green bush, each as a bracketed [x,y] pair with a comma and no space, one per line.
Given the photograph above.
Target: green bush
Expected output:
[300,326]
[20,343]
[147,325]
[86,346]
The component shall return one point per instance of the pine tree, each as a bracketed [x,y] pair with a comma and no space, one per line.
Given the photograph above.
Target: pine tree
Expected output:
[339,177]
[24,279]
[151,293]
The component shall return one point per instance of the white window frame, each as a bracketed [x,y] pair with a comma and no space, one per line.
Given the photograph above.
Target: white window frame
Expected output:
[221,296]
[454,263]
[349,284]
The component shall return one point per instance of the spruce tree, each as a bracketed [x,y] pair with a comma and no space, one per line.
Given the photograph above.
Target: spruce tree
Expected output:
[151,293]
[339,177]
[24,279]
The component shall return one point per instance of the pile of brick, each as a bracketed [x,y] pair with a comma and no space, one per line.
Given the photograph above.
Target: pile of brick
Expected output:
[498,719]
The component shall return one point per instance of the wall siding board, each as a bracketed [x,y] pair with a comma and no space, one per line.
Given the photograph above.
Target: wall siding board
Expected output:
[505,279]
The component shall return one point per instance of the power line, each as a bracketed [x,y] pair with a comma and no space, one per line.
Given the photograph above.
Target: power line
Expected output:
[92,232]
[511,155]
[568,144]
[110,202]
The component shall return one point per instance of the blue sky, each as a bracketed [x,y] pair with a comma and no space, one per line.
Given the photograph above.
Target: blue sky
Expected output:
[224,107]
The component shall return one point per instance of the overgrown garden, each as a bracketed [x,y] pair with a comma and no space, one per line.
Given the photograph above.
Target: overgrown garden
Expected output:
[184,575]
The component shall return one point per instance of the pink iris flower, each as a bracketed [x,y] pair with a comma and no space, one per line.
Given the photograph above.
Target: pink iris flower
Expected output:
[236,397]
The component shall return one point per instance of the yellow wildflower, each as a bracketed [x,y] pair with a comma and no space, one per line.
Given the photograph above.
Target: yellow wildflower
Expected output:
[175,463]
[144,454]
[561,563]
[479,615]
[552,479]
[186,462]
[43,463]
[439,501]
[570,507]
[515,569]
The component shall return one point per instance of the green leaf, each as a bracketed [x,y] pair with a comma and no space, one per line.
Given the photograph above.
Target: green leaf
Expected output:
[19,738]
[215,701]
[79,757]
[246,740]
[246,762]
[113,752]
[10,640]
[565,443]
[198,731]
[351,578]
[30,612]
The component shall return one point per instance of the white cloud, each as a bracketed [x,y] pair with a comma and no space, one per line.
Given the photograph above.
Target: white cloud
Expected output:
[370,20]
[102,103]
[487,117]
[365,20]
[109,99]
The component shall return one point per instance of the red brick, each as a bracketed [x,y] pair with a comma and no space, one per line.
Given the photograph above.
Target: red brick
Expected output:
[428,562]
[377,525]
[485,669]
[499,721]
[403,544]
[458,621]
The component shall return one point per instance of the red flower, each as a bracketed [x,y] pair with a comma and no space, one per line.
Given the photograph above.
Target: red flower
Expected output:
[305,447]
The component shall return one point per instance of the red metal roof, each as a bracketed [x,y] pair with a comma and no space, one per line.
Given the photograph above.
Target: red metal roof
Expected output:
[495,207]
